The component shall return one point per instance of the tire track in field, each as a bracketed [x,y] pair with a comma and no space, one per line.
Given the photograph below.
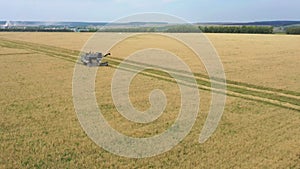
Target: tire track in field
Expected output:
[205,85]
[23,53]
[277,97]
[208,80]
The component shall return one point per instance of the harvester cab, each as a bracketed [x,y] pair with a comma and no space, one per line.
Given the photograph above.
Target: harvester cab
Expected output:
[94,59]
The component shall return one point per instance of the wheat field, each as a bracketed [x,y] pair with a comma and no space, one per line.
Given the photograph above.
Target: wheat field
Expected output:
[259,128]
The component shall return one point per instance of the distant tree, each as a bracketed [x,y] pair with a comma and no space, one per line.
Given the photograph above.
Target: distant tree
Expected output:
[237,29]
[139,29]
[293,30]
[183,29]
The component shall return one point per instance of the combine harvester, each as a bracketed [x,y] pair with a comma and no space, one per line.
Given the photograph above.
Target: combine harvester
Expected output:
[94,59]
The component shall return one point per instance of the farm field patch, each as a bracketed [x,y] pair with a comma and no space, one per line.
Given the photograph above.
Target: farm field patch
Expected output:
[259,128]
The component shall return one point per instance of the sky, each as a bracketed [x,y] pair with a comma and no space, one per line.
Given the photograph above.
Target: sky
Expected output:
[110,10]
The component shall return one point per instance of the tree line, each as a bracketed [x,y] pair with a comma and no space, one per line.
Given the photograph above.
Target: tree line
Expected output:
[35,30]
[139,29]
[293,30]
[183,29]
[169,29]
[237,29]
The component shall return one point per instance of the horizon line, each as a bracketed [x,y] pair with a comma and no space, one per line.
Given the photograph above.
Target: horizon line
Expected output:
[275,20]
